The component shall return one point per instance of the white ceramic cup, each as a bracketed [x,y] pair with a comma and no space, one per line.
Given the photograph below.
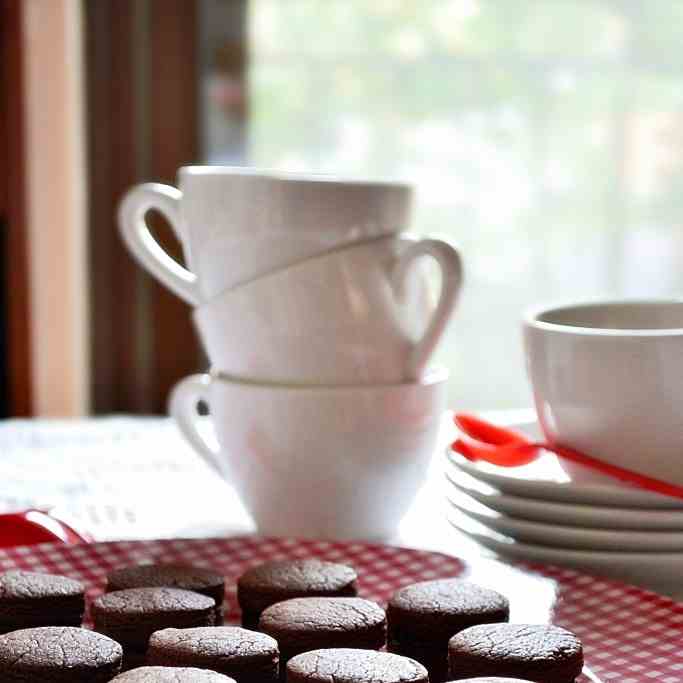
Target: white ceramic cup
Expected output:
[318,462]
[359,315]
[237,224]
[607,381]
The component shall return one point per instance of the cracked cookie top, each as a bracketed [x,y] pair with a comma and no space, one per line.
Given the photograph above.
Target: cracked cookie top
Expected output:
[537,651]
[345,665]
[164,674]
[43,653]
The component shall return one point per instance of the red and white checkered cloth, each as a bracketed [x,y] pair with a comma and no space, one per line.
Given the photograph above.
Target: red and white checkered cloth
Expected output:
[630,635]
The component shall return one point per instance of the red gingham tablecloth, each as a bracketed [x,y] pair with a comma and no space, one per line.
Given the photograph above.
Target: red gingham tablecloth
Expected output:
[630,635]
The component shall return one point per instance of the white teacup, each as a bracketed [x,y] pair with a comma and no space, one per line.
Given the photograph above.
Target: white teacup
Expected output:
[321,462]
[359,315]
[237,224]
[607,381]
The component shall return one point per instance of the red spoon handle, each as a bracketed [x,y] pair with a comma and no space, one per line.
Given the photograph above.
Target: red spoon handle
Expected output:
[640,480]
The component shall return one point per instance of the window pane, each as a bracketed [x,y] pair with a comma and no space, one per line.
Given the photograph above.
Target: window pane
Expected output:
[545,138]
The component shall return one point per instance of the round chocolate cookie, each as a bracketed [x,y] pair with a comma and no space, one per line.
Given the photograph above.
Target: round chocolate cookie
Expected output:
[164,674]
[58,654]
[538,652]
[29,599]
[304,624]
[343,665]
[433,611]
[272,582]
[490,679]
[131,616]
[423,617]
[188,578]
[247,656]
[183,576]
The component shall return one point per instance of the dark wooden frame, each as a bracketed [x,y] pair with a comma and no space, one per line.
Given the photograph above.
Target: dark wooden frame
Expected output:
[142,76]
[16,305]
[174,141]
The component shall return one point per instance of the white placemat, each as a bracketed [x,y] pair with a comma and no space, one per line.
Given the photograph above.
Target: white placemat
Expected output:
[117,478]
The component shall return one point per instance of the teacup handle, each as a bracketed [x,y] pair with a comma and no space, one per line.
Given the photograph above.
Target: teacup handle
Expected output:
[182,407]
[141,243]
[450,264]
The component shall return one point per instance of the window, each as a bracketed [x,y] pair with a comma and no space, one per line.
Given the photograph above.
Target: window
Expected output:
[544,137]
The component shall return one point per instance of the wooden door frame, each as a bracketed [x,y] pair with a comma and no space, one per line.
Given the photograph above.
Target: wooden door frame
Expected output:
[142,76]
[16,306]
[45,271]
[142,70]
[55,206]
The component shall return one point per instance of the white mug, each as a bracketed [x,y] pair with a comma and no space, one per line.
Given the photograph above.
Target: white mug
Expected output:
[607,381]
[360,315]
[319,462]
[237,224]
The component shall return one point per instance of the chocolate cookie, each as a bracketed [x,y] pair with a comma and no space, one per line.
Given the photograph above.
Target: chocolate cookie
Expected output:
[423,617]
[29,599]
[436,610]
[543,653]
[488,679]
[343,665]
[272,582]
[163,674]
[131,616]
[58,654]
[304,624]
[189,578]
[247,656]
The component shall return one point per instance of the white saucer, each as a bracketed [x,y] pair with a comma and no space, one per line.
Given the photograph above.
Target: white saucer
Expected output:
[661,571]
[545,480]
[573,537]
[563,513]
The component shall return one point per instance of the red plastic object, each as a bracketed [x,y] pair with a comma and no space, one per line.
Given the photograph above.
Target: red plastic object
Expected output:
[487,432]
[30,527]
[508,448]
[511,455]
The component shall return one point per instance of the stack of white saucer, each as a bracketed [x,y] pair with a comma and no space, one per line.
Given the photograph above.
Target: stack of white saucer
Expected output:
[535,513]
[314,310]
[606,381]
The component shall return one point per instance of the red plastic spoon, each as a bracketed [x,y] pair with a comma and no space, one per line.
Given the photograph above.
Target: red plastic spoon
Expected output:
[508,448]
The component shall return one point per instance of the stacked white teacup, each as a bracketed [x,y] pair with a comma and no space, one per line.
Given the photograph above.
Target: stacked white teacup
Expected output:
[316,315]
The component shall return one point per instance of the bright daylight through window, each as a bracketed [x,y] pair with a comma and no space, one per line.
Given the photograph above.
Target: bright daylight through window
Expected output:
[544,137]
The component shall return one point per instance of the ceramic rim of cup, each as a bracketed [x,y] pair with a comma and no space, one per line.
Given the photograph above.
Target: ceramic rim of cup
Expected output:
[287,176]
[533,318]
[437,374]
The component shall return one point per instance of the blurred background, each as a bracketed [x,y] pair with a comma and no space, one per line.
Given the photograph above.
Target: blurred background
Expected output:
[546,138]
